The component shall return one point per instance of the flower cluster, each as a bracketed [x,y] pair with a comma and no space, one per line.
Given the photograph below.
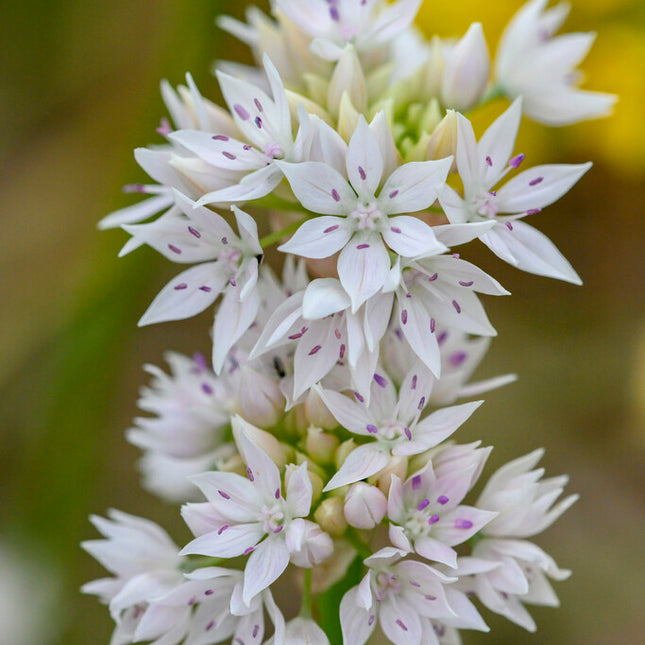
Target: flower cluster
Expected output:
[317,440]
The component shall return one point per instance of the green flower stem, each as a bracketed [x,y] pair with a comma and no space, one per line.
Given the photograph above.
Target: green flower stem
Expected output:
[307,598]
[199,562]
[278,236]
[357,542]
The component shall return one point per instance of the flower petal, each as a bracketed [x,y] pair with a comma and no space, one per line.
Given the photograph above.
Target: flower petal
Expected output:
[323,297]
[364,161]
[361,463]
[319,237]
[356,622]
[265,565]
[411,237]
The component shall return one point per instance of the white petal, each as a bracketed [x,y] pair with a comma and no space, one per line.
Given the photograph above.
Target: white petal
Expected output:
[364,161]
[323,297]
[137,212]
[470,170]
[356,622]
[361,463]
[316,354]
[318,187]
[413,186]
[299,492]
[416,327]
[230,543]
[319,237]
[252,186]
[411,237]
[265,565]
[351,415]
[248,229]
[363,267]
[442,423]
[528,249]
[400,621]
[186,295]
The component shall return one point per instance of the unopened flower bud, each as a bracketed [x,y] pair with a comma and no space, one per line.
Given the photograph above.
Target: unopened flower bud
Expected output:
[317,412]
[365,506]
[396,466]
[305,631]
[295,421]
[320,445]
[233,464]
[315,545]
[348,78]
[443,142]
[264,440]
[317,483]
[467,69]
[260,400]
[331,517]
[343,450]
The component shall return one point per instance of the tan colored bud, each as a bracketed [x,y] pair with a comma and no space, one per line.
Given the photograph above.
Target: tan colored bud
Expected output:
[330,516]
[321,445]
[343,450]
[396,466]
[295,421]
[332,569]
[317,483]
[443,141]
[317,412]
[347,117]
[233,464]
[347,79]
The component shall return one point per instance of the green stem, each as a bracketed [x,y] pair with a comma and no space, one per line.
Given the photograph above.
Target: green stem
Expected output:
[357,542]
[278,236]
[307,598]
[199,562]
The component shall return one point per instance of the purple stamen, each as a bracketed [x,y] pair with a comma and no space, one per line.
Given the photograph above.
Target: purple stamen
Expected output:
[363,246]
[331,228]
[258,122]
[249,474]
[463,283]
[315,350]
[408,434]
[277,493]
[433,325]
[335,195]
[393,194]
[442,499]
[277,530]
[433,277]
[508,225]
[361,172]
[372,428]
[208,592]
[463,524]
[536,181]
[241,112]
[194,231]
[457,358]
[455,304]
[489,161]
[533,211]
[333,12]
[181,286]
[224,495]
[394,229]
[414,382]
[229,155]
[423,504]
[337,333]
[516,161]
[205,289]
[416,482]
[206,388]
[222,529]
[380,380]
[174,249]
[404,316]
[220,137]
[258,105]
[433,520]
[370,620]
[295,336]
[422,402]
[210,625]
[249,550]
[224,241]
[414,583]
[359,397]
[401,624]
[342,351]
[247,147]
[430,597]
[442,337]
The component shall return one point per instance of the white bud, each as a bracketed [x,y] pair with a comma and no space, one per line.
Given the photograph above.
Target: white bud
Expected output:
[467,69]
[347,78]
[305,631]
[365,506]
[320,445]
[443,142]
[260,400]
[317,483]
[318,413]
[398,466]
[330,516]
[316,545]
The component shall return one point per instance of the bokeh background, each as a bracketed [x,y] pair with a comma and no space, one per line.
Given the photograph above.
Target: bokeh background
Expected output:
[78,91]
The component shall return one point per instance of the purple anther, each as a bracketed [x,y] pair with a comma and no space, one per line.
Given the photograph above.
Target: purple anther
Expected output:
[456,256]
[315,350]
[489,162]
[207,389]
[433,520]
[433,325]
[414,583]
[393,194]
[249,550]
[414,382]
[337,333]
[463,524]
[247,147]
[222,529]
[249,474]
[278,529]
[463,283]
[363,246]
[370,620]
[361,172]
[134,188]
[442,337]
[422,402]
[174,249]
[382,382]
[200,361]
[258,122]
[295,336]
[210,625]
[209,592]
[277,493]
[341,354]
[533,211]
[224,241]
[229,155]
[331,228]
[205,289]
[416,482]
[404,316]
[335,195]
[457,358]
[241,112]
[224,495]
[164,128]
[181,286]
[371,428]
[194,231]
[433,277]
[192,601]
[536,181]
[455,304]
[232,282]
[423,504]
[359,397]
[258,105]
[508,225]
[395,229]
[333,12]
[516,161]
[442,499]
[408,434]
[401,624]
[220,137]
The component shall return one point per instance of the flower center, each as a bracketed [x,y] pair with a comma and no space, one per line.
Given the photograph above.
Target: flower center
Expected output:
[367,216]
[388,584]
[273,150]
[486,205]
[392,429]
[272,517]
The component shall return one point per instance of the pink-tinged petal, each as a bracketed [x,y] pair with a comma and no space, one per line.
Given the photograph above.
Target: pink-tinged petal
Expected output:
[282,114]
[399,621]
[299,492]
[137,212]
[265,565]
[211,222]
[392,20]
[411,237]
[363,267]
[416,327]
[529,250]
[357,623]
[391,157]
[399,539]
[395,500]
[203,517]
[228,543]
[279,324]
[462,606]
[319,188]
[262,471]
[323,297]
[539,186]
[496,145]
[364,161]
[252,186]
[417,385]
[361,463]
[351,415]
[319,237]
[462,523]
[231,495]
[276,617]
[233,318]
[413,186]
[442,423]
[160,622]
[433,549]
[456,234]
[295,535]
[467,157]
[186,295]
[250,628]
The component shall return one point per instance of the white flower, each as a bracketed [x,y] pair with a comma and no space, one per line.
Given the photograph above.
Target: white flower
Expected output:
[228,265]
[481,166]
[392,421]
[365,506]
[426,515]
[251,516]
[533,64]
[356,220]
[403,597]
[302,631]
[145,564]
[367,25]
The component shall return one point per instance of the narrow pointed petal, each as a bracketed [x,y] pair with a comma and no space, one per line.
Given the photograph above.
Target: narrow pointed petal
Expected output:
[351,415]
[299,492]
[319,237]
[442,423]
[361,463]
[323,297]
[364,161]
[230,543]
[411,237]
[356,622]
[265,565]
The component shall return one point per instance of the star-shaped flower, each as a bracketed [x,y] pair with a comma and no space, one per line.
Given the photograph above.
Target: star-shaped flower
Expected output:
[357,212]
[481,166]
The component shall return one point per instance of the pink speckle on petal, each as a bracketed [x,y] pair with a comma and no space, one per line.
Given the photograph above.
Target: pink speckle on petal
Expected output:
[220,137]
[489,161]
[393,194]
[455,304]
[315,350]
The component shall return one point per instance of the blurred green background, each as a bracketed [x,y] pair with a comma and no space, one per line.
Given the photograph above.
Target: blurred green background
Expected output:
[79,90]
